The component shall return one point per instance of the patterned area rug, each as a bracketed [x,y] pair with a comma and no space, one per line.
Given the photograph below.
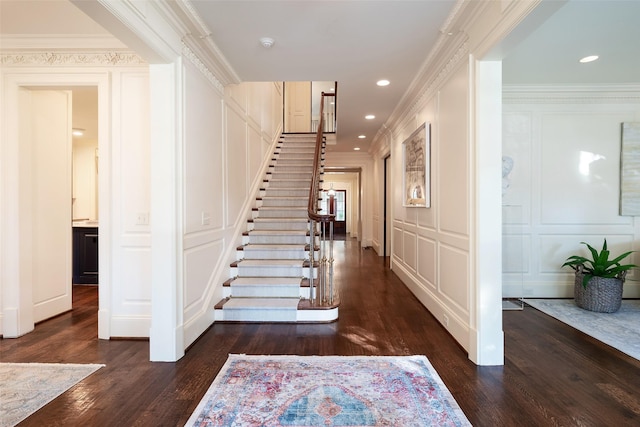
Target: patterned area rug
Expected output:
[327,391]
[620,330]
[27,387]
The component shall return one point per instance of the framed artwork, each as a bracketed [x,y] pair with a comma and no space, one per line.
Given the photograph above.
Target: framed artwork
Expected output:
[416,156]
[629,166]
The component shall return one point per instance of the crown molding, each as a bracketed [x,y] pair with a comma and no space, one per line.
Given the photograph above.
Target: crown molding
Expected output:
[58,42]
[571,94]
[193,58]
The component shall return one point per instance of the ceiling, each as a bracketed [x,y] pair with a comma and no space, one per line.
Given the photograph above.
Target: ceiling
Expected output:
[357,43]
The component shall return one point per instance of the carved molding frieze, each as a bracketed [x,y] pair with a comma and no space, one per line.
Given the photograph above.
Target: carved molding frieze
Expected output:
[193,58]
[74,59]
[460,55]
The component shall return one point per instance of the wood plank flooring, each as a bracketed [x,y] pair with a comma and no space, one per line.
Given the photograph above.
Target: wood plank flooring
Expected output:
[553,375]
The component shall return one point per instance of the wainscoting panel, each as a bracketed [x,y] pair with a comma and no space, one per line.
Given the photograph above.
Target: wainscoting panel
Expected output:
[427,263]
[454,275]
[410,256]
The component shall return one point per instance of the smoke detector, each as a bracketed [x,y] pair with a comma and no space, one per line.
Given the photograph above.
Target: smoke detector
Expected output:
[267,42]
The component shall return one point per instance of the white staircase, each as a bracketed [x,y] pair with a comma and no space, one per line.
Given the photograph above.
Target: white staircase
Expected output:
[269,282]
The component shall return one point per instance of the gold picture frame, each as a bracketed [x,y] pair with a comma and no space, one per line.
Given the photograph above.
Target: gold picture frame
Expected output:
[416,156]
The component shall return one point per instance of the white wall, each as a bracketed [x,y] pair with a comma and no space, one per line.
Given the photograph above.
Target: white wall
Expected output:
[229,135]
[85,180]
[122,82]
[564,185]
[442,253]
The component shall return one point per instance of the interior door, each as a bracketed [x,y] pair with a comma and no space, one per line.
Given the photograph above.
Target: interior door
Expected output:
[298,106]
[340,224]
[46,152]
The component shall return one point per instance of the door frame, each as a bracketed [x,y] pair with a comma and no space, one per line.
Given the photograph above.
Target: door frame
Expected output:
[358,171]
[17,301]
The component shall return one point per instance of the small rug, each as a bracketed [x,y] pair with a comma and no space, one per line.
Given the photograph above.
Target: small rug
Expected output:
[27,387]
[327,391]
[620,330]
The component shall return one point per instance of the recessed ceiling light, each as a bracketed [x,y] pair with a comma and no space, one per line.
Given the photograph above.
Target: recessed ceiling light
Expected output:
[77,132]
[383,82]
[589,59]
[369,117]
[361,136]
[356,149]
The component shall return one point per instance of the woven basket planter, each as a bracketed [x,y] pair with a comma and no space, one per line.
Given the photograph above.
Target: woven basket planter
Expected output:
[603,295]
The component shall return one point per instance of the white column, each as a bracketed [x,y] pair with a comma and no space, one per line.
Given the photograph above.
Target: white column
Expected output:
[487,346]
[166,334]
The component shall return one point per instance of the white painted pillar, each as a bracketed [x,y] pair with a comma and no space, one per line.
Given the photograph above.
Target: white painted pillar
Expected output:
[166,334]
[486,288]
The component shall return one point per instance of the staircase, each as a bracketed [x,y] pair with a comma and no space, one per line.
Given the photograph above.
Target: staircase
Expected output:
[270,280]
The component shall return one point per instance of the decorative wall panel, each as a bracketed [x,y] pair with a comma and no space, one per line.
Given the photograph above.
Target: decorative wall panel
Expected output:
[630,169]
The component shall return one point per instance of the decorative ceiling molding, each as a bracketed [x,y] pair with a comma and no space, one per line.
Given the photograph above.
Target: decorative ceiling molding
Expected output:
[70,58]
[58,42]
[422,94]
[571,94]
[193,58]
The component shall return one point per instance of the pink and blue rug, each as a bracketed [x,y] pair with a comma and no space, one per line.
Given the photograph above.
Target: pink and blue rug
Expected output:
[327,391]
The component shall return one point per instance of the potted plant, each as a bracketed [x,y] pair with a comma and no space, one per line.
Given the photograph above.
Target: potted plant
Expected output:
[598,281]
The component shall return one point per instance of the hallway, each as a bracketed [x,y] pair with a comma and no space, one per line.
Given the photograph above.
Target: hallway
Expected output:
[553,374]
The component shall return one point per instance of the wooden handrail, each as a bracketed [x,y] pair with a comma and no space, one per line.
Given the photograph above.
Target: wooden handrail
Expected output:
[312,207]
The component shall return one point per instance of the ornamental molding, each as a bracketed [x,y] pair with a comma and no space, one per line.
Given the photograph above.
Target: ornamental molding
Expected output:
[458,57]
[597,94]
[193,58]
[71,59]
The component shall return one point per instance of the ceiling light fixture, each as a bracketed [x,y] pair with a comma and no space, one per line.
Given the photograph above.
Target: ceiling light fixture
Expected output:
[361,136]
[369,117]
[383,82]
[77,132]
[267,42]
[356,149]
[589,59]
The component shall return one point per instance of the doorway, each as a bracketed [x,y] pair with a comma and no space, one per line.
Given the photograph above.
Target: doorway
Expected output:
[38,206]
[340,210]
[386,216]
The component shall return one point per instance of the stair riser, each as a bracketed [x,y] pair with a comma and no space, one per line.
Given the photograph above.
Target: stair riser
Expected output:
[282,213]
[299,156]
[285,202]
[286,192]
[256,315]
[297,183]
[270,254]
[280,225]
[262,291]
[297,176]
[262,271]
[278,239]
[254,271]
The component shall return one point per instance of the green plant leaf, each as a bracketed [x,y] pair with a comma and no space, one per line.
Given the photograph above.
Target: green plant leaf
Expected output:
[599,265]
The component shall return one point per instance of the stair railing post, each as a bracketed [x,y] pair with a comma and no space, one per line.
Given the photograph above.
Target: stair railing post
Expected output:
[323,272]
[331,262]
[312,245]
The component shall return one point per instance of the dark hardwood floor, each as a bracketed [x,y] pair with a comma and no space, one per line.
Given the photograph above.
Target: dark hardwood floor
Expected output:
[553,375]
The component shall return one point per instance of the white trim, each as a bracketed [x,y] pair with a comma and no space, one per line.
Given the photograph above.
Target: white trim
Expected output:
[15,299]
